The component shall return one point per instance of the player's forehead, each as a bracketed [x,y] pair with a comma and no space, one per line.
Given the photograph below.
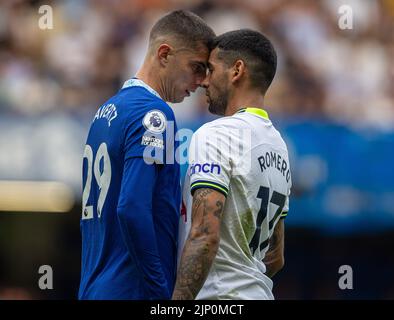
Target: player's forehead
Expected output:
[199,54]
[213,58]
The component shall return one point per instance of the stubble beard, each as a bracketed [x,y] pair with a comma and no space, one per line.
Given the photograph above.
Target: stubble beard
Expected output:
[218,106]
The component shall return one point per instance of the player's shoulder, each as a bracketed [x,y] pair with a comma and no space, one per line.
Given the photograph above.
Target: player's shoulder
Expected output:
[222,126]
[141,107]
[159,105]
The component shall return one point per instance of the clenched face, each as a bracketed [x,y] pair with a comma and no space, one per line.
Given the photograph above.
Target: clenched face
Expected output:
[216,84]
[186,72]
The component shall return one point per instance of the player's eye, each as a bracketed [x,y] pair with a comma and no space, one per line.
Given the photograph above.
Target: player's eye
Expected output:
[198,69]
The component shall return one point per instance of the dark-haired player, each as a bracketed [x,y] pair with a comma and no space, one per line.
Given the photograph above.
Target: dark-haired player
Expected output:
[239,179]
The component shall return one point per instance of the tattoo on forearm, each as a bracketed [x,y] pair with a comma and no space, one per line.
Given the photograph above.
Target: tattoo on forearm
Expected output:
[199,197]
[218,212]
[198,254]
[194,268]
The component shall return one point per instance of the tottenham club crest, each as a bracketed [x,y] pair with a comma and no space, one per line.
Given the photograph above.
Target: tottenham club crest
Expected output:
[155,121]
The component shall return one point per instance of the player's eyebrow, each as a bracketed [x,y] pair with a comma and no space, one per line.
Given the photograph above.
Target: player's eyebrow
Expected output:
[201,64]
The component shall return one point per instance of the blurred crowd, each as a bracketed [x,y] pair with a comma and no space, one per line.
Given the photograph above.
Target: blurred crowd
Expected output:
[95,45]
[50,77]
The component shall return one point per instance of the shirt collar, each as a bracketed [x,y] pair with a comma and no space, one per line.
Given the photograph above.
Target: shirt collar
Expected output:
[134,82]
[256,111]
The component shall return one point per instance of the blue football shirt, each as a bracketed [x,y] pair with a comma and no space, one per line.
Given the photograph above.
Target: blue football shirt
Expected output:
[131,198]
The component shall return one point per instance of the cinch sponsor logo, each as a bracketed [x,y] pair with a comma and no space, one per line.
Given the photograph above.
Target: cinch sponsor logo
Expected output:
[205,167]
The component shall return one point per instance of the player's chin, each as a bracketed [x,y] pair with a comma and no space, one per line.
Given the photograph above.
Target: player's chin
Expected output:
[179,98]
[211,109]
[215,110]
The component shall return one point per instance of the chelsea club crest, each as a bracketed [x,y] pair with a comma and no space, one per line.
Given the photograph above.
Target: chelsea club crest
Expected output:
[155,121]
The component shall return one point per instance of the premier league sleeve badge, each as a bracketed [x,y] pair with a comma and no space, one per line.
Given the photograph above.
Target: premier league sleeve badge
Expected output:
[155,121]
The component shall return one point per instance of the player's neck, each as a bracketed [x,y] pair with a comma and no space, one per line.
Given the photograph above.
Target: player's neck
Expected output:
[147,75]
[244,100]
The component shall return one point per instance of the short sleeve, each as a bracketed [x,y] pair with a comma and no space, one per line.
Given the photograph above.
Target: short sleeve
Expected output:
[285,208]
[210,165]
[150,134]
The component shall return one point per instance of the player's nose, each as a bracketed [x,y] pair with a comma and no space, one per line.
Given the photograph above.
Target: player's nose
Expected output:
[199,79]
[205,82]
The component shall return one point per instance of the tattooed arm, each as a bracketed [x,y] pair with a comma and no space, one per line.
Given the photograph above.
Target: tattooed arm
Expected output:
[274,258]
[201,245]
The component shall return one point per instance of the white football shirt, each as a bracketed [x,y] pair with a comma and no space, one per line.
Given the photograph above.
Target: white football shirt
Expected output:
[245,158]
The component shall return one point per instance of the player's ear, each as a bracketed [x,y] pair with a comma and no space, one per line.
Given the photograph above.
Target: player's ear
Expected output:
[238,70]
[163,52]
